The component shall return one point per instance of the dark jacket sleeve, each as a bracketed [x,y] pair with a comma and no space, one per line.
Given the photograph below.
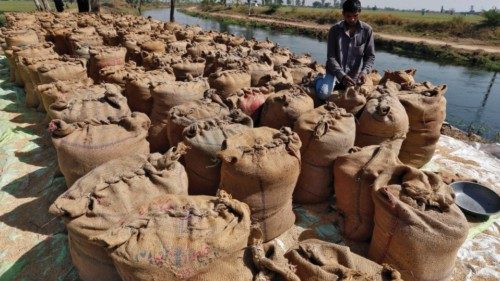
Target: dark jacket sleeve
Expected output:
[369,54]
[332,65]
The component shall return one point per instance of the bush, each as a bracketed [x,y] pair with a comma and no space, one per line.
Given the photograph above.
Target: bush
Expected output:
[272,9]
[491,18]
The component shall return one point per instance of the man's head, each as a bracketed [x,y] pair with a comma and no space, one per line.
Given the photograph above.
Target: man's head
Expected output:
[350,11]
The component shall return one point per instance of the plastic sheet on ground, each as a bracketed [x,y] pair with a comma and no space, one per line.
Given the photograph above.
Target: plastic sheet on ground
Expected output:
[33,245]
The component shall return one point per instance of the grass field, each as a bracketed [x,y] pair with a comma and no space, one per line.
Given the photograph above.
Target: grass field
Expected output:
[17,6]
[431,25]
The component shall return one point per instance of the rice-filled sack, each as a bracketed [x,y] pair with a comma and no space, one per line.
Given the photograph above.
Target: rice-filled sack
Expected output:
[260,167]
[181,116]
[418,227]
[383,119]
[284,107]
[353,175]
[83,146]
[106,196]
[426,111]
[205,138]
[179,237]
[326,133]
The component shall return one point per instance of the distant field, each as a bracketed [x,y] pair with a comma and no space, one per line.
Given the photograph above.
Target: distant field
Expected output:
[17,6]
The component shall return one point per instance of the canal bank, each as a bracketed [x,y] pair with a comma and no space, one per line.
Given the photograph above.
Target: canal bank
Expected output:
[472,93]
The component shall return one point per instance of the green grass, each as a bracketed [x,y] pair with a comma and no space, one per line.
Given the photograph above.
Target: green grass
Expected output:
[431,25]
[17,6]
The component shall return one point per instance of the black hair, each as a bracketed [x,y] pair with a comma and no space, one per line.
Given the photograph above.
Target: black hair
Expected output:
[352,6]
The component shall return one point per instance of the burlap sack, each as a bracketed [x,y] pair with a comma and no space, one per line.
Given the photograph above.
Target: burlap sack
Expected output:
[177,237]
[177,46]
[80,44]
[351,99]
[326,133]
[264,45]
[322,261]
[187,66]
[137,88]
[50,93]
[298,71]
[101,57]
[117,74]
[165,96]
[20,37]
[205,138]
[399,76]
[383,119]
[152,46]
[23,58]
[353,176]
[260,167]
[275,79]
[418,228]
[258,68]
[159,61]
[285,107]
[228,82]
[93,103]
[426,113]
[198,49]
[83,146]
[181,116]
[280,56]
[131,42]
[250,101]
[64,70]
[106,196]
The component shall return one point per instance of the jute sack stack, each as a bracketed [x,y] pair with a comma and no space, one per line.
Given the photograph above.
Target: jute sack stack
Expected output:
[32,55]
[66,69]
[353,176]
[205,138]
[105,56]
[95,102]
[81,43]
[228,82]
[166,95]
[284,107]
[260,167]
[107,196]
[178,237]
[426,112]
[181,116]
[117,74]
[249,100]
[83,146]
[50,93]
[326,133]
[137,88]
[258,68]
[18,38]
[322,261]
[351,99]
[383,119]
[418,228]
[186,66]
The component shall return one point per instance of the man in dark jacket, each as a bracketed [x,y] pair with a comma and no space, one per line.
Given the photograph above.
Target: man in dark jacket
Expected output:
[350,52]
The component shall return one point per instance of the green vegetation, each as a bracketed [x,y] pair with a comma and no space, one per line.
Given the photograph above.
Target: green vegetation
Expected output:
[17,6]
[434,25]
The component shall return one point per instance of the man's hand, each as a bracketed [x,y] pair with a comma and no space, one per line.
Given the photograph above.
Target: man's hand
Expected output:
[347,81]
[361,78]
